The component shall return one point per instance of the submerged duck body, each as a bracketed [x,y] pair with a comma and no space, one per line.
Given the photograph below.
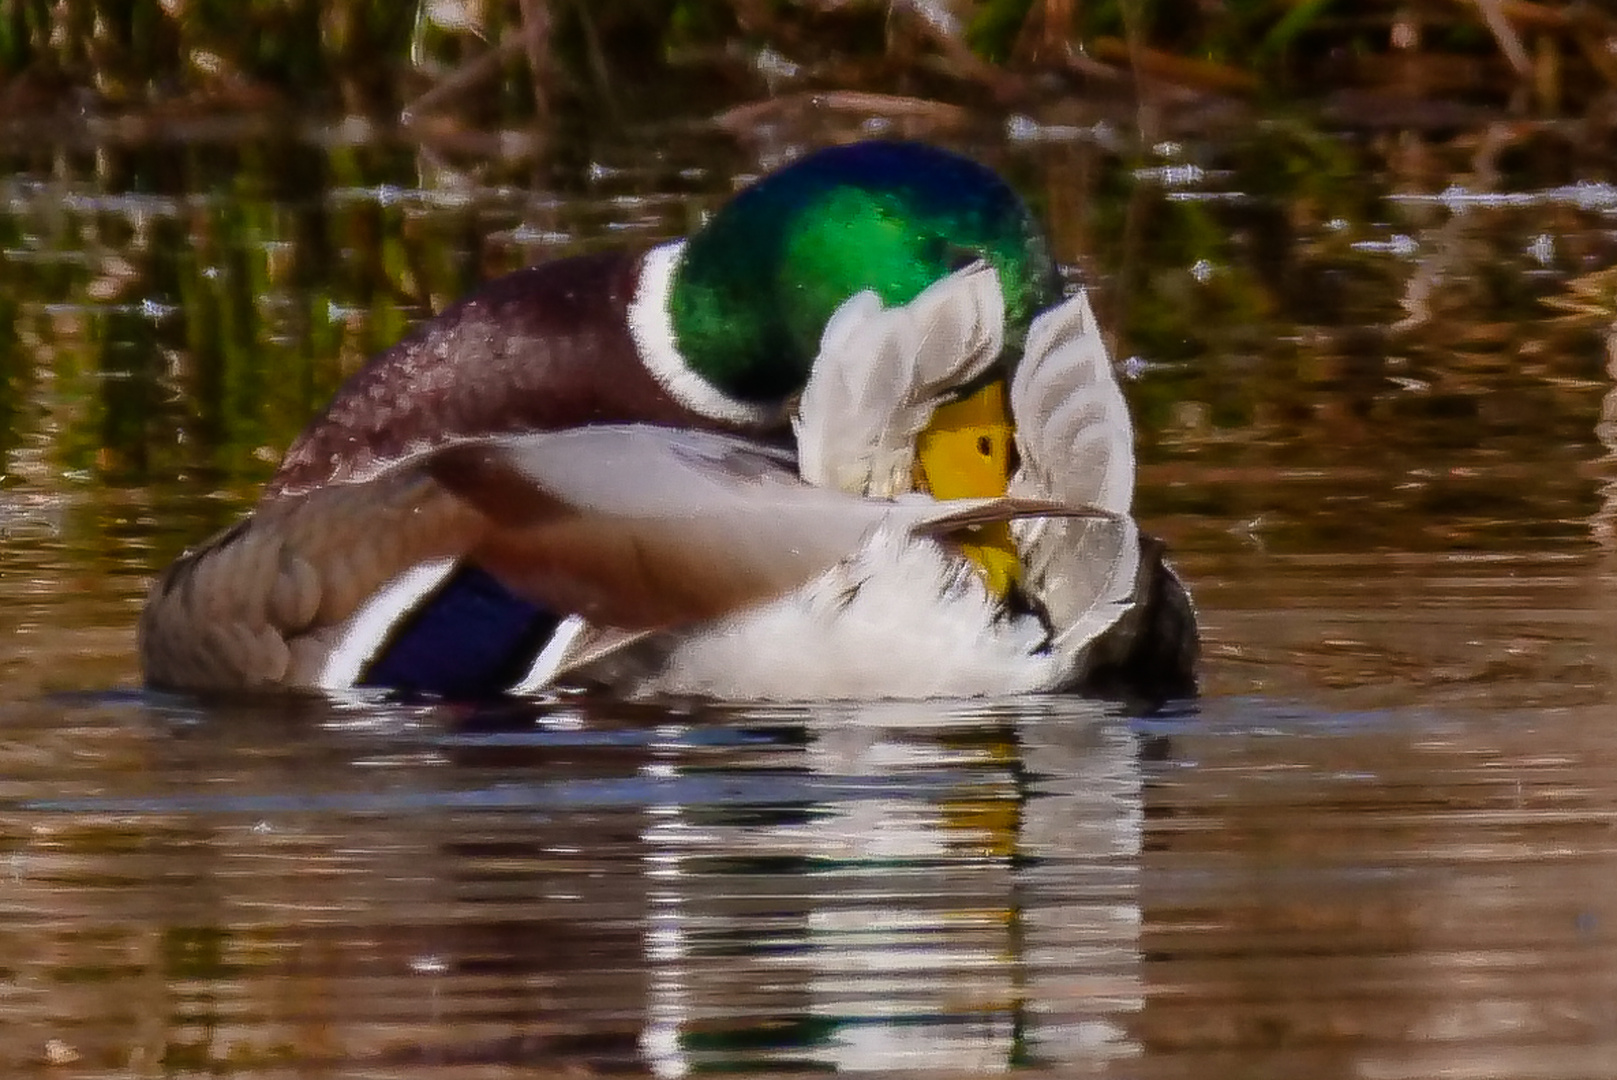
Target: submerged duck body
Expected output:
[693,469]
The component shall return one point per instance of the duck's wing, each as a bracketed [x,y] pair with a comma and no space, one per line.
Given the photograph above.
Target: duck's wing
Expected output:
[642,527]
[264,602]
[492,544]
[880,372]
[1076,444]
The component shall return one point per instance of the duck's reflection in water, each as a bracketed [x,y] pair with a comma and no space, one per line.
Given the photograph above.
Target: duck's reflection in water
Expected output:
[923,888]
[859,888]
[963,896]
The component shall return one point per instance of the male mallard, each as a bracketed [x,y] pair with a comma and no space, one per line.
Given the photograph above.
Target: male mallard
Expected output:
[584,473]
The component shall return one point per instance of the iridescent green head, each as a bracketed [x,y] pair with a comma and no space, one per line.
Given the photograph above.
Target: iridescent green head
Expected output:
[756,285]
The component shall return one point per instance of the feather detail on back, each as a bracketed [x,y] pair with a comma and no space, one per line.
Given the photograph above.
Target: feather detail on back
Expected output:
[1077,445]
[881,372]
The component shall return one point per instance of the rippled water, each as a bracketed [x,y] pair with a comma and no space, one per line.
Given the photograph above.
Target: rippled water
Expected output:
[1373,427]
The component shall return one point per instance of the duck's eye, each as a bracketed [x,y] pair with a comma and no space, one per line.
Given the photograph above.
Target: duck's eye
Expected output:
[985,446]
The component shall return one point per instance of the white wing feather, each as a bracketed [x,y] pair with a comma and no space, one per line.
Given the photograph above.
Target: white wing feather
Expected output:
[1077,446]
[882,371]
[1072,423]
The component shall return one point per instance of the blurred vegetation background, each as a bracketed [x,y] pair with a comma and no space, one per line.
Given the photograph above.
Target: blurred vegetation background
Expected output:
[508,59]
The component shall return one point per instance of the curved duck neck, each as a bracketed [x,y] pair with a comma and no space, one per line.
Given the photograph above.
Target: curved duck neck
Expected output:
[652,328]
[747,298]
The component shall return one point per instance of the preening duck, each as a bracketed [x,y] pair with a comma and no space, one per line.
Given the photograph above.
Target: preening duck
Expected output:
[848,440]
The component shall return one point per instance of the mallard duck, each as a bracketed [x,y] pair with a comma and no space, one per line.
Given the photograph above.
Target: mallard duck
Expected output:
[780,459]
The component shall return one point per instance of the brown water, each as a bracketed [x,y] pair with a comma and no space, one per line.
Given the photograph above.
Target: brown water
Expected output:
[1380,845]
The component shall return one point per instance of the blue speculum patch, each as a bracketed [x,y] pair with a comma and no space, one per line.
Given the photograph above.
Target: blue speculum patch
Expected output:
[470,638]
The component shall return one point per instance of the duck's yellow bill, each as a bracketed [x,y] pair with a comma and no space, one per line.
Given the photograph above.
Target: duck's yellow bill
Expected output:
[965,452]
